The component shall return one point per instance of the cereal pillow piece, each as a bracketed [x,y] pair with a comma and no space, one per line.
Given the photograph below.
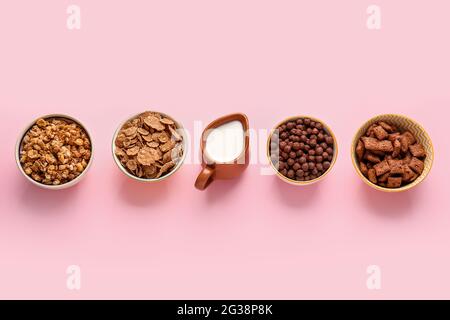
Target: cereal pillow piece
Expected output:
[380,133]
[417,150]
[417,165]
[394,182]
[381,168]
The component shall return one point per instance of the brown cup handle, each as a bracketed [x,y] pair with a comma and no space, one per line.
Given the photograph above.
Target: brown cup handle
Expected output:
[205,178]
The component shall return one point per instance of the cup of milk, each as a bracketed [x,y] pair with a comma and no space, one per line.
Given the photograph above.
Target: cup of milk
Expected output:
[224,149]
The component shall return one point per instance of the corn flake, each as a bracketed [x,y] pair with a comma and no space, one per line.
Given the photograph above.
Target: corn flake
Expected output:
[154,123]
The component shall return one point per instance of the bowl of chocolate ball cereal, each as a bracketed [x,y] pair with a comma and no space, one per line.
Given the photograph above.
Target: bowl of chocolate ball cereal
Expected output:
[392,153]
[150,146]
[54,152]
[302,150]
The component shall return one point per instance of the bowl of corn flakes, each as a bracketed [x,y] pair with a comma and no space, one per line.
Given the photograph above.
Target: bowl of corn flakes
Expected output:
[150,146]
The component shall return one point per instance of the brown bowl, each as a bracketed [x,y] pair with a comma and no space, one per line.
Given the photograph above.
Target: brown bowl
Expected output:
[303,183]
[403,123]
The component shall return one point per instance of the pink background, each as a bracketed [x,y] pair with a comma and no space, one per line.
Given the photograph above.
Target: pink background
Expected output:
[254,237]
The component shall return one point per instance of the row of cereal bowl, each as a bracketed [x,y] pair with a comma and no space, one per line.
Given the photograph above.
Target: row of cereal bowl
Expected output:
[389,152]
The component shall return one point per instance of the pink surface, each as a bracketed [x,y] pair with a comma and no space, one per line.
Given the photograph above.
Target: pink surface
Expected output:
[255,237]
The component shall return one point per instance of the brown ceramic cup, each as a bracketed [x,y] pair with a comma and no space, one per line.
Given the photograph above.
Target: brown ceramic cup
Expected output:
[211,169]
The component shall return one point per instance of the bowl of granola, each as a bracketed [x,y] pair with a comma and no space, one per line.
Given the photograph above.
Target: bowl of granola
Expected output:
[54,152]
[150,146]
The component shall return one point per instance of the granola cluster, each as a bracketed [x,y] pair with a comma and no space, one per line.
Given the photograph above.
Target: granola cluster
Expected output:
[55,151]
[149,146]
[390,158]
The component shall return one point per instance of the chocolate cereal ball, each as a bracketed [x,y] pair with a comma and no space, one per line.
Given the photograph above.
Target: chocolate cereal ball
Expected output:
[302,149]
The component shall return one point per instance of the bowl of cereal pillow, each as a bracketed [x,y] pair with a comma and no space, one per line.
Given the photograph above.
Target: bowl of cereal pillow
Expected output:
[392,153]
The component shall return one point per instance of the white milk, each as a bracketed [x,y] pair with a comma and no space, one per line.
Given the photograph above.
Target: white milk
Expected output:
[226,142]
